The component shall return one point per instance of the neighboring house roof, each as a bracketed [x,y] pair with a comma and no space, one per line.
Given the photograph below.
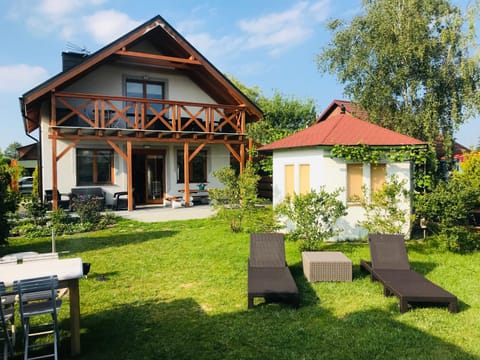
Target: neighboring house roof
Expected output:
[342,129]
[28,152]
[174,53]
[336,106]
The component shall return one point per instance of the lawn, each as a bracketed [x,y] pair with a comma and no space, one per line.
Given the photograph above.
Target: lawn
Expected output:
[177,290]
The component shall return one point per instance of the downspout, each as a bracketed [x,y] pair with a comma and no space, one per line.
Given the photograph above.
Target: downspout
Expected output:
[23,110]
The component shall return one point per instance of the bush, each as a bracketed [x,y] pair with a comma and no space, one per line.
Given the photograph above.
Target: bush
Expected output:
[237,202]
[87,209]
[460,239]
[314,216]
[383,214]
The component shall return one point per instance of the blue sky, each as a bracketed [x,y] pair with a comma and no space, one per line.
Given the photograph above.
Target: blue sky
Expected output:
[271,44]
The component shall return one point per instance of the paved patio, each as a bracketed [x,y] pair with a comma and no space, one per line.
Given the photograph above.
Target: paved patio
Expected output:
[156,213]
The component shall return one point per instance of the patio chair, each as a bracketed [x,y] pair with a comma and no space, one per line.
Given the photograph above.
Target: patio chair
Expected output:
[7,325]
[38,297]
[390,266]
[268,274]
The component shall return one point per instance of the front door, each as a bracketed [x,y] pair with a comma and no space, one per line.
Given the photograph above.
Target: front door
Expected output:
[148,177]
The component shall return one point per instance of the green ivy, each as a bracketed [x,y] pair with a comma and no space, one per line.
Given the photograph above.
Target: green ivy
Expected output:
[374,154]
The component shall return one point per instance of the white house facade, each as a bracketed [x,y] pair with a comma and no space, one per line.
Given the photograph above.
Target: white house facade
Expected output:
[147,115]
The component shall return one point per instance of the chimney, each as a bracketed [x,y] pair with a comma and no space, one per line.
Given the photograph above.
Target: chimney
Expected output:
[342,109]
[72,59]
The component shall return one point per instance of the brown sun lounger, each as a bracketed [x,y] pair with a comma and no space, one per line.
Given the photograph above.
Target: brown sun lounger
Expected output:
[390,266]
[268,274]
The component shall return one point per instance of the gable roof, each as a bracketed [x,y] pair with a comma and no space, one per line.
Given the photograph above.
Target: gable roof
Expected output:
[342,129]
[335,107]
[177,54]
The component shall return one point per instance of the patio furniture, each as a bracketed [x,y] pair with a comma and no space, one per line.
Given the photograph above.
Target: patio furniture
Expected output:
[390,266]
[120,200]
[94,193]
[7,325]
[63,200]
[68,272]
[37,297]
[268,274]
[326,266]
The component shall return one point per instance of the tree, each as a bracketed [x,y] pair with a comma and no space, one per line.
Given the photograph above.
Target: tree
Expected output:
[8,198]
[11,150]
[283,114]
[408,63]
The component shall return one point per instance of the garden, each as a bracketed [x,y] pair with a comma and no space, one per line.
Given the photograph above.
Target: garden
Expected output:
[177,290]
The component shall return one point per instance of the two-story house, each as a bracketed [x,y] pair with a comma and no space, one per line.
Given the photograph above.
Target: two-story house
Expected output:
[146,114]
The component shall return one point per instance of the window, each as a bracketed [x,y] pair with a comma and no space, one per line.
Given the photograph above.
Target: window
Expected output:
[354,183]
[378,173]
[146,90]
[94,167]
[304,179]
[197,167]
[289,180]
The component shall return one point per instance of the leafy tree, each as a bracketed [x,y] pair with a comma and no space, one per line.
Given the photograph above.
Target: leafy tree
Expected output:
[314,216]
[8,198]
[11,150]
[409,64]
[283,115]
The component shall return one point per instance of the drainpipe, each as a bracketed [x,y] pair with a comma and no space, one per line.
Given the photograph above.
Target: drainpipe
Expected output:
[23,110]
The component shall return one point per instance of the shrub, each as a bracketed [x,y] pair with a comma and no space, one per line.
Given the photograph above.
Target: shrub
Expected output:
[460,239]
[383,214]
[87,209]
[314,216]
[237,201]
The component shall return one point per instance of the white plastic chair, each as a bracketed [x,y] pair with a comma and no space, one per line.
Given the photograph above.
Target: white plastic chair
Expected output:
[37,297]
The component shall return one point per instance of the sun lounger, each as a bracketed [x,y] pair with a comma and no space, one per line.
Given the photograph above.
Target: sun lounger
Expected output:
[390,266]
[268,274]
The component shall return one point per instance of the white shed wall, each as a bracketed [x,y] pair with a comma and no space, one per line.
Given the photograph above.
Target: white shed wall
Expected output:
[332,173]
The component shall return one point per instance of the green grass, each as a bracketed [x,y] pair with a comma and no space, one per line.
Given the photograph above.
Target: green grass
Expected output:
[177,290]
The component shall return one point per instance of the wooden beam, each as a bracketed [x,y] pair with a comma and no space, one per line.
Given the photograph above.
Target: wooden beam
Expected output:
[54,175]
[129,176]
[142,55]
[195,153]
[233,152]
[67,149]
[118,150]
[186,174]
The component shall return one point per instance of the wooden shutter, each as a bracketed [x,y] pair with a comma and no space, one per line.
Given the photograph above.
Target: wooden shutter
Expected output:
[289,180]
[304,179]
[378,173]
[354,182]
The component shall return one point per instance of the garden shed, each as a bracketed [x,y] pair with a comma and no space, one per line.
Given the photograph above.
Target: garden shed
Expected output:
[304,161]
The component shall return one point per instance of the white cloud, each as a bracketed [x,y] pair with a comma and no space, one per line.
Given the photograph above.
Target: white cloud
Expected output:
[107,25]
[58,8]
[18,78]
[282,30]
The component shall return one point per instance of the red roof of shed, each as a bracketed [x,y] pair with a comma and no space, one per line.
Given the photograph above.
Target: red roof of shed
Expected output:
[342,129]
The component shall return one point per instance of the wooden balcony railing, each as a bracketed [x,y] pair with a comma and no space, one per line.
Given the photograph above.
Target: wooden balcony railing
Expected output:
[125,113]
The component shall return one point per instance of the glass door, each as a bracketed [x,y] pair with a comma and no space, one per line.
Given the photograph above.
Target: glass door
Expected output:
[154,167]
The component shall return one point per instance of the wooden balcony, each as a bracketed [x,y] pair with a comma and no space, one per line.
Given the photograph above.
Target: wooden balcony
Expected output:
[93,116]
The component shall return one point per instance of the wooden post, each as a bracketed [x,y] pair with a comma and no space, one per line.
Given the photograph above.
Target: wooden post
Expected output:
[242,157]
[186,173]
[54,174]
[129,176]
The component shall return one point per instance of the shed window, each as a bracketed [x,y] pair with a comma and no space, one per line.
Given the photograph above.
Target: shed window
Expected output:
[289,180]
[304,179]
[378,173]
